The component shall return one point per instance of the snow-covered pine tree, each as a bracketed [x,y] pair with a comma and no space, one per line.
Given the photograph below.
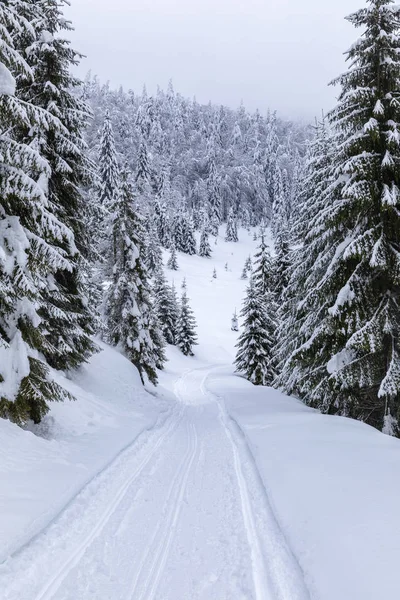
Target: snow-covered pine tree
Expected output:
[129,307]
[188,244]
[281,264]
[231,228]
[186,329]
[235,322]
[263,269]
[31,236]
[166,307]
[204,246]
[297,310]
[67,320]
[248,265]
[179,231]
[143,175]
[154,258]
[279,212]
[214,192]
[173,259]
[215,273]
[350,361]
[108,165]
[256,343]
[162,223]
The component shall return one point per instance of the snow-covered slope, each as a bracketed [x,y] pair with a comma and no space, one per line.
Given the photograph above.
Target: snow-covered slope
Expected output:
[39,474]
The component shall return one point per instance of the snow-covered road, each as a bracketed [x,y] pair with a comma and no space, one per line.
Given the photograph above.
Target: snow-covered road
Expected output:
[181,514]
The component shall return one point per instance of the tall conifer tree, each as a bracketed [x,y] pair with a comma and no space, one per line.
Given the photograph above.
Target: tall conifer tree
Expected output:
[349,362]
[129,307]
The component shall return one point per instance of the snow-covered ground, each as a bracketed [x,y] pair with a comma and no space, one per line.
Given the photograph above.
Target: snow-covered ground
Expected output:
[229,492]
[40,474]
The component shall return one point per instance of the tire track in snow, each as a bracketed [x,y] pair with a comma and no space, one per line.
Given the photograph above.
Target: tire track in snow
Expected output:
[152,566]
[58,535]
[276,572]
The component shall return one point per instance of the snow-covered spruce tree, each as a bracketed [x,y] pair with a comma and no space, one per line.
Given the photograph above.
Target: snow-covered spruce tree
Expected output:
[231,228]
[204,246]
[179,231]
[244,274]
[186,335]
[263,269]
[214,194]
[108,165]
[188,244]
[166,307]
[279,212]
[67,321]
[254,357]
[215,273]
[298,314]
[350,362]
[143,171]
[281,264]
[162,223]
[31,236]
[173,259]
[128,306]
[235,322]
[154,258]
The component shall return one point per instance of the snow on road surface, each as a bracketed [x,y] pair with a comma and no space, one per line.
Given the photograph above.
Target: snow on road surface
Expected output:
[213,490]
[179,514]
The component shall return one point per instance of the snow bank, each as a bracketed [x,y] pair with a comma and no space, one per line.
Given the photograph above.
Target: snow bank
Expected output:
[334,487]
[41,473]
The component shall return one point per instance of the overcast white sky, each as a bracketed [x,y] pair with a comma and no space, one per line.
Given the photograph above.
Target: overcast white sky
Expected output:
[276,53]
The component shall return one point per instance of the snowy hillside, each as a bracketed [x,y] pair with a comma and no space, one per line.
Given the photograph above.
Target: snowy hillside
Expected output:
[232,491]
[41,472]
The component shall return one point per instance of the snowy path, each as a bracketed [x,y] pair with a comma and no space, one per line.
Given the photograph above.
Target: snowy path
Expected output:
[180,515]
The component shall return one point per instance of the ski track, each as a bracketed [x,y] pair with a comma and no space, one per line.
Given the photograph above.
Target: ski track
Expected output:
[276,572]
[55,538]
[126,533]
[157,552]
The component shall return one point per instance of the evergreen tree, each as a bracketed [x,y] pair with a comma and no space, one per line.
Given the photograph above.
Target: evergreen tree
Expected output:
[186,336]
[31,236]
[162,223]
[154,259]
[179,232]
[281,264]
[129,308]
[188,244]
[204,248]
[231,228]
[143,172]
[279,216]
[244,273]
[263,271]
[215,274]
[108,165]
[66,319]
[166,307]
[173,260]
[295,313]
[214,194]
[349,361]
[235,323]
[256,343]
